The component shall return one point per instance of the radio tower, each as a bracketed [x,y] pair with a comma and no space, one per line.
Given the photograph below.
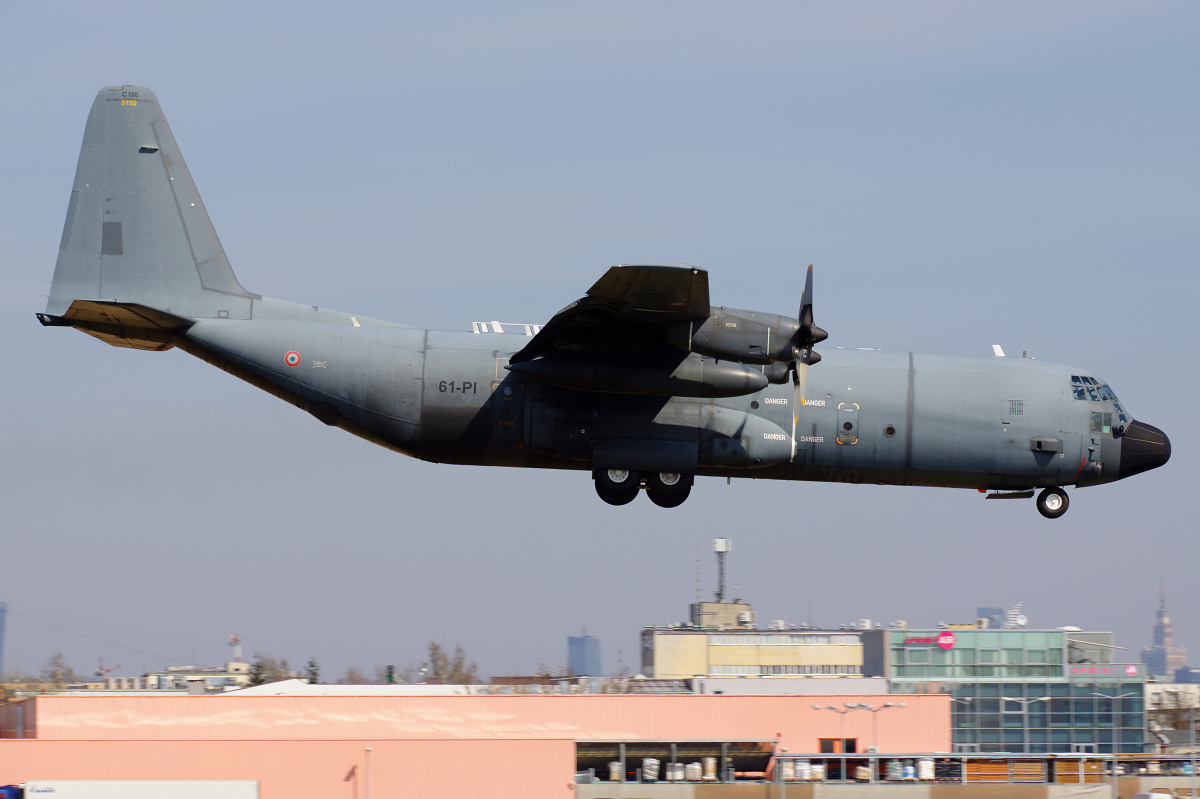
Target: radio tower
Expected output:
[235,641]
[721,546]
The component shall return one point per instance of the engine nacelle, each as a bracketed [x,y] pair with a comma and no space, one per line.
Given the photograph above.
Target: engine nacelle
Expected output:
[692,377]
[735,335]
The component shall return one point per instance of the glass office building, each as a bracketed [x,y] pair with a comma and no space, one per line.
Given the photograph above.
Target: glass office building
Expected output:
[1017,690]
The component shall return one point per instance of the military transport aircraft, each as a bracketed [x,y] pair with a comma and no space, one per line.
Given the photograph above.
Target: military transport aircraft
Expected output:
[641,381]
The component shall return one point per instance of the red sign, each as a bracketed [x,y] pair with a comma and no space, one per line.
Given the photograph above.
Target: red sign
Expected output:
[1129,671]
[945,639]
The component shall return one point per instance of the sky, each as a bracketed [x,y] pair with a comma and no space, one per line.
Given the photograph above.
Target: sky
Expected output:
[960,175]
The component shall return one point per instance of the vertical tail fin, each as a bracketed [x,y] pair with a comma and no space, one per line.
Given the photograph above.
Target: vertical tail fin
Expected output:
[137,231]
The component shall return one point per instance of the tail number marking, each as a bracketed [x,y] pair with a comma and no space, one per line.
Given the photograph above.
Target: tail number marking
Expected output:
[453,387]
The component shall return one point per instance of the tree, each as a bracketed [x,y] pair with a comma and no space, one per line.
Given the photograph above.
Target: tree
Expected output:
[450,669]
[257,670]
[312,672]
[353,676]
[265,669]
[57,671]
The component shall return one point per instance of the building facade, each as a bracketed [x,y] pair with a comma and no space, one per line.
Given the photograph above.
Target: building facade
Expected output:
[1017,690]
[385,746]
[686,652]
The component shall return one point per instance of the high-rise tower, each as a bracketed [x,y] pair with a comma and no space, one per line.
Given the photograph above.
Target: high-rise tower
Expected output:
[1163,658]
[583,655]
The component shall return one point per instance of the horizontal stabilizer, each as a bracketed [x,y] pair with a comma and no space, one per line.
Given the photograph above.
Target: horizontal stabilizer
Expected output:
[121,324]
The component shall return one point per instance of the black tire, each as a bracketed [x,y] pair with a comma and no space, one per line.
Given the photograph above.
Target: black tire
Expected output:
[1053,502]
[668,489]
[617,486]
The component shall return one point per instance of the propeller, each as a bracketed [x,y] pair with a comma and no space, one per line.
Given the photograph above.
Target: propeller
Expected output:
[803,354]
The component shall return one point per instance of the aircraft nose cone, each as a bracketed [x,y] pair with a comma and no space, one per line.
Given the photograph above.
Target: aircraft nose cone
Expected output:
[1143,447]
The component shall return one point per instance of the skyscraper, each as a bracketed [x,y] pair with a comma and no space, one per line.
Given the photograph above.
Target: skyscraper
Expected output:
[1164,657]
[583,655]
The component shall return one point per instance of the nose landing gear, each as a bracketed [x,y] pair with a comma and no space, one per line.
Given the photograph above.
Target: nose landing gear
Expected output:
[1052,502]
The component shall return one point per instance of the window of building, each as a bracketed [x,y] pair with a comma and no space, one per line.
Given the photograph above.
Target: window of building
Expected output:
[918,656]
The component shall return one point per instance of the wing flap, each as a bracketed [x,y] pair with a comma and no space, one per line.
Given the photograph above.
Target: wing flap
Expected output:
[625,312]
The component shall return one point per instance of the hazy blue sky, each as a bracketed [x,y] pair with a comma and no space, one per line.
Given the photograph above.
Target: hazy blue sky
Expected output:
[961,174]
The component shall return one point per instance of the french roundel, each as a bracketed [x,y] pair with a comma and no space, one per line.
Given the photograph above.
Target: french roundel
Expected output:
[292,358]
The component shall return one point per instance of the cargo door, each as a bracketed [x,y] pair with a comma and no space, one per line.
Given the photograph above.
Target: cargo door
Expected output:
[508,413]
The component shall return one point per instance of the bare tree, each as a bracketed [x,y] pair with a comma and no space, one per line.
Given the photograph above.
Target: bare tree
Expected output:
[55,670]
[451,669]
[354,676]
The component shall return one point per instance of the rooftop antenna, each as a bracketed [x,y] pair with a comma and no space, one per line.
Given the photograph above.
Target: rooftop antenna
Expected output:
[235,641]
[721,546]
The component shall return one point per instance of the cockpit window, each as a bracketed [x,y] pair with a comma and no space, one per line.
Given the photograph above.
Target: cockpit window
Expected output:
[1089,388]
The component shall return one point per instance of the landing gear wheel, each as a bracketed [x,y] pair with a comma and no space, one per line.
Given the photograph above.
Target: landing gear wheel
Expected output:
[668,489]
[617,486]
[1052,503]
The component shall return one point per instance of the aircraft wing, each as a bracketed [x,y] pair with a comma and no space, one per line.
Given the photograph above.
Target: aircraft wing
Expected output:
[625,312]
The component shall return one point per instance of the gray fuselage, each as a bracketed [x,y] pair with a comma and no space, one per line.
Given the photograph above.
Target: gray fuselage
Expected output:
[871,417]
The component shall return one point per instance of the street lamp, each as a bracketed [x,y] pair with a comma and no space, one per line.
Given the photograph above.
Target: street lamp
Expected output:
[367,772]
[875,720]
[850,708]
[1115,746]
[1025,703]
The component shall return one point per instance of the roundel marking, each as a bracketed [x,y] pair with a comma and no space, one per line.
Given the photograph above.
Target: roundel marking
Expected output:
[292,358]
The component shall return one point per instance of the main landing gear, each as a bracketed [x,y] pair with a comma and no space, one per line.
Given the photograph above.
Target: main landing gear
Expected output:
[1053,502]
[620,486]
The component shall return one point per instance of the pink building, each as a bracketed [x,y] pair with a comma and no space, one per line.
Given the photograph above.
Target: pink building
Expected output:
[422,746]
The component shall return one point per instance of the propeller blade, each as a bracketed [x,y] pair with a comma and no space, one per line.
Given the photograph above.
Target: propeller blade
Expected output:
[806,314]
[799,385]
[795,414]
[803,354]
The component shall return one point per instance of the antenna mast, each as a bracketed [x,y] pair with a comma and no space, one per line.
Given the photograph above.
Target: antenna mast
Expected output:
[721,546]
